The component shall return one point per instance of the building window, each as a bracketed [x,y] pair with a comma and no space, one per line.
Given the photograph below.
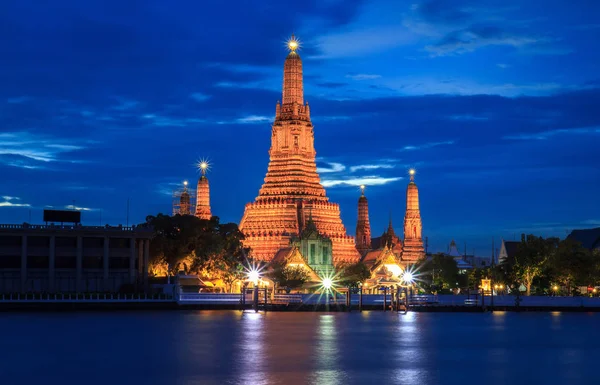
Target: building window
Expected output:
[295,141]
[325,255]
[312,253]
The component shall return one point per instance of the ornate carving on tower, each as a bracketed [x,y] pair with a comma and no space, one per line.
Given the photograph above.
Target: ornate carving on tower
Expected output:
[413,241]
[292,186]
[363,227]
[203,193]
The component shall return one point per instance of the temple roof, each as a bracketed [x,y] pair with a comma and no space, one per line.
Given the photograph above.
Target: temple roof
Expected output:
[589,238]
[511,248]
[282,255]
[453,250]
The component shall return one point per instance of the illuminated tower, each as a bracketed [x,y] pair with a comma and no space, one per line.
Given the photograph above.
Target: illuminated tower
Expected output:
[292,186]
[363,228]
[413,241]
[184,201]
[203,193]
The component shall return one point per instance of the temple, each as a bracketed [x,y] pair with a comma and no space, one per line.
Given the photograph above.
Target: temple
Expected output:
[413,240]
[292,186]
[363,227]
[203,193]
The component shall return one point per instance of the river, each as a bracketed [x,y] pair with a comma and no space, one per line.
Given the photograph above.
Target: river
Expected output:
[230,347]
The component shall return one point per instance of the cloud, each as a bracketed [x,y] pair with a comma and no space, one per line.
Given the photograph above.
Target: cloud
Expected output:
[359,181]
[254,119]
[18,100]
[502,65]
[79,208]
[591,222]
[426,145]
[551,133]
[9,201]
[333,167]
[362,40]
[363,76]
[468,117]
[199,97]
[371,167]
[125,104]
[32,147]
[471,39]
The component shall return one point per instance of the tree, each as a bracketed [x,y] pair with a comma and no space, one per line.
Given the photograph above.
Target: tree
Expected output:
[530,259]
[442,272]
[206,247]
[289,277]
[173,240]
[350,275]
[572,265]
[220,253]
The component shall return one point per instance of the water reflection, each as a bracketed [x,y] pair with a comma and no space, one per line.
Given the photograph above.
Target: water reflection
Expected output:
[252,356]
[326,353]
[184,348]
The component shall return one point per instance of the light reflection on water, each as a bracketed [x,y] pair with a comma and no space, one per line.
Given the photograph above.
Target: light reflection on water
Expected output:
[187,347]
[326,352]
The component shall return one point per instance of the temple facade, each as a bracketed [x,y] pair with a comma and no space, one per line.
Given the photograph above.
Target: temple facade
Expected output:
[203,194]
[292,186]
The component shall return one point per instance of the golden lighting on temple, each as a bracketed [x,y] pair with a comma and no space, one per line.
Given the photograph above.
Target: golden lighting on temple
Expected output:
[293,44]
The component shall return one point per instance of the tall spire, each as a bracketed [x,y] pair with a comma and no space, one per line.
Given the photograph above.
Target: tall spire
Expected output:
[413,241]
[292,184]
[293,89]
[363,227]
[203,193]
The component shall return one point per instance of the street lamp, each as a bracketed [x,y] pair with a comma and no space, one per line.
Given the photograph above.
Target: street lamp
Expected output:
[253,276]
[408,278]
[327,283]
[555,288]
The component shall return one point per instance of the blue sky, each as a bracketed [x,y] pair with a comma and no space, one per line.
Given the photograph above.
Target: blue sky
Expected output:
[495,103]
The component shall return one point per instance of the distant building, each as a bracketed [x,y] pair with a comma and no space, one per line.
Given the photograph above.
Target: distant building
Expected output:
[461,260]
[589,238]
[74,258]
[508,249]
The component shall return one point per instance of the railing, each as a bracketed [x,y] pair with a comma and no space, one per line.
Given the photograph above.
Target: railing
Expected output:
[95,297]
[210,298]
[71,227]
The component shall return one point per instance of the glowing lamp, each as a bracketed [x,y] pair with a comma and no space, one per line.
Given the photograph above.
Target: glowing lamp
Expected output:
[412,171]
[185,182]
[253,276]
[293,44]
[407,277]
[555,288]
[203,165]
[327,283]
